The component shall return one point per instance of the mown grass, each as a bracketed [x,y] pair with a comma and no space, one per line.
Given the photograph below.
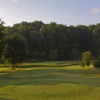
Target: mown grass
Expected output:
[60,80]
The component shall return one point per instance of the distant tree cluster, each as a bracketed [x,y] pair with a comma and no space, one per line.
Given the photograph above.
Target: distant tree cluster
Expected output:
[37,40]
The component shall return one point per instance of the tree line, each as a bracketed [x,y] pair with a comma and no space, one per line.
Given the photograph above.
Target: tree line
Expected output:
[39,41]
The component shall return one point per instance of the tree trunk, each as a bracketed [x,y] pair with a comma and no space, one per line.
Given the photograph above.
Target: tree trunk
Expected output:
[97,68]
[12,66]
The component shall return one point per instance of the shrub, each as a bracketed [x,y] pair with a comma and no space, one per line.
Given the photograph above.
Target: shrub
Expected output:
[86,58]
[96,63]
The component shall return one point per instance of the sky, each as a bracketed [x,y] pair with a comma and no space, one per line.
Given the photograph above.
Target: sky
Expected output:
[67,12]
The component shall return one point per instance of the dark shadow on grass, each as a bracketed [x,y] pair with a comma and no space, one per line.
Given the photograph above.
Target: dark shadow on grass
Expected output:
[5,99]
[49,76]
[54,66]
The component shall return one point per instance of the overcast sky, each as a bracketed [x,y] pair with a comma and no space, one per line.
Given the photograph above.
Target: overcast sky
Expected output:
[67,12]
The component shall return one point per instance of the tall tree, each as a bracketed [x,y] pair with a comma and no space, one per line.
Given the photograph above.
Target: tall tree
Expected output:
[53,54]
[1,37]
[14,51]
[96,40]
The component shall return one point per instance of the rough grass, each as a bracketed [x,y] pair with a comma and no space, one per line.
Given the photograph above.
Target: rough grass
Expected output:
[60,80]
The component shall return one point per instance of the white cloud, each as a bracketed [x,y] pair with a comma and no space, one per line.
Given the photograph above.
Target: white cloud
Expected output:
[1,11]
[95,11]
[15,0]
[68,16]
[95,1]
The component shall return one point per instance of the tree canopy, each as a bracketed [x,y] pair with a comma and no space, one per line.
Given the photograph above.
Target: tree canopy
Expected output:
[14,50]
[65,42]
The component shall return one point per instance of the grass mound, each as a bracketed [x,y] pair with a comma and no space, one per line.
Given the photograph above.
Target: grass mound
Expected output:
[51,92]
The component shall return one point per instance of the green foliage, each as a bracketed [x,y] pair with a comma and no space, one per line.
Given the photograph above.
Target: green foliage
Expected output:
[2,35]
[74,54]
[86,58]
[14,51]
[96,63]
[54,54]
[70,41]
[1,29]
[96,40]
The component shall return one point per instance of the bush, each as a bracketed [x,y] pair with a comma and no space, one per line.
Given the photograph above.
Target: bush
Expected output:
[86,58]
[96,63]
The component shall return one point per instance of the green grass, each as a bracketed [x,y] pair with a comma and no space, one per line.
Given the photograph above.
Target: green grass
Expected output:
[59,80]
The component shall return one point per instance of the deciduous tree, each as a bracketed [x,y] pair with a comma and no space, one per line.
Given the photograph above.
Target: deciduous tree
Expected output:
[14,51]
